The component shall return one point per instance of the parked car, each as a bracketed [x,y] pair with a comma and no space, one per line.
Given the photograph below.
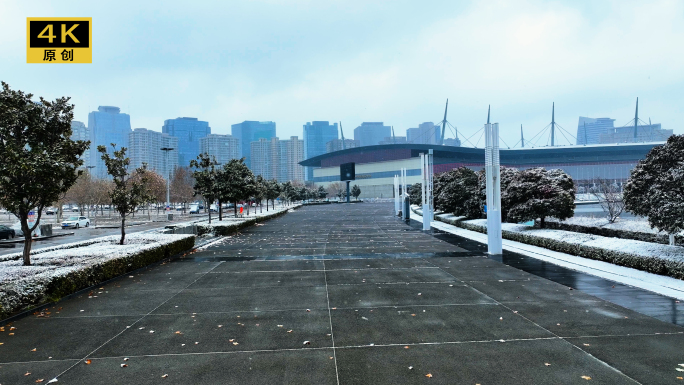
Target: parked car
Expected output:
[50,211]
[6,232]
[194,210]
[76,222]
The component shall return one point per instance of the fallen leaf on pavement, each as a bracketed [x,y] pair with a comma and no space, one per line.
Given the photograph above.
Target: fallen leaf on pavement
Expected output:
[34,349]
[547,364]
[586,378]
[165,375]
[124,365]
[88,362]
[40,380]
[429,375]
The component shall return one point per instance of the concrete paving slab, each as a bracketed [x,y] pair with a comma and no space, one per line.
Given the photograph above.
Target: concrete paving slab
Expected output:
[245,299]
[223,332]
[376,263]
[475,363]
[534,290]
[595,318]
[649,359]
[282,279]
[396,275]
[33,372]
[288,265]
[58,338]
[403,294]
[431,324]
[258,368]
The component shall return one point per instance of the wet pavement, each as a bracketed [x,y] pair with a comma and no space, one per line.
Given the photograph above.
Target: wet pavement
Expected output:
[343,294]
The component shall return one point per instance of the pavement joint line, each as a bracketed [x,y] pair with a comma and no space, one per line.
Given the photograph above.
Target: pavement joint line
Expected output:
[549,331]
[311,285]
[626,335]
[332,333]
[131,325]
[339,347]
[290,271]
[207,245]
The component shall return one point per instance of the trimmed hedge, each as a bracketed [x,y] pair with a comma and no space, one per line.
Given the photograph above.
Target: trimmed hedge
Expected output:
[58,287]
[614,233]
[653,264]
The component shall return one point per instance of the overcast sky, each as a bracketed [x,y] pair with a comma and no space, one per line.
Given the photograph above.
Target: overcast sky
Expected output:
[353,61]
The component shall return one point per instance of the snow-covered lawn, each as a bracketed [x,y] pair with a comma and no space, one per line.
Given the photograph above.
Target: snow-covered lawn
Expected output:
[81,263]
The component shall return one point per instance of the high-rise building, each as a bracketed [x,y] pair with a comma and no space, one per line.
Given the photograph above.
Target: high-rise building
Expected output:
[456,142]
[145,146]
[79,131]
[262,157]
[336,145]
[295,154]
[316,135]
[278,159]
[251,131]
[425,133]
[393,140]
[188,131]
[106,125]
[371,133]
[589,130]
[645,133]
[222,147]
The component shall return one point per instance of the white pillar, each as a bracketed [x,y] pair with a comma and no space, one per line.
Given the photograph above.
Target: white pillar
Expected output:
[397,198]
[494,242]
[426,172]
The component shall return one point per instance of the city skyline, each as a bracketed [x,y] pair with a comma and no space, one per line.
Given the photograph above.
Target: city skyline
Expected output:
[527,55]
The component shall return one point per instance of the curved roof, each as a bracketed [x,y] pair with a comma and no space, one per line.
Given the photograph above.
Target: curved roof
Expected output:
[519,156]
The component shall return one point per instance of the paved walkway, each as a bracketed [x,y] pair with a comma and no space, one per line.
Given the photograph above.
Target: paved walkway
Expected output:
[342,294]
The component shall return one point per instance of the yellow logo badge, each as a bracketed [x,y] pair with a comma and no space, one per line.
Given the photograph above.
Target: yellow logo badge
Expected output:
[59,39]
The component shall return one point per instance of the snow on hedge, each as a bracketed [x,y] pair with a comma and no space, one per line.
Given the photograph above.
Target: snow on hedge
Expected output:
[644,249]
[61,270]
[639,225]
[51,261]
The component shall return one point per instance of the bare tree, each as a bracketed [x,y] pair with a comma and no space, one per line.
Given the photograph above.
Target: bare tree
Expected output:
[609,196]
[83,192]
[181,187]
[336,189]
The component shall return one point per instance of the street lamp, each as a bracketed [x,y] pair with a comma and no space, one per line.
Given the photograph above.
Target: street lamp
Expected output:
[168,179]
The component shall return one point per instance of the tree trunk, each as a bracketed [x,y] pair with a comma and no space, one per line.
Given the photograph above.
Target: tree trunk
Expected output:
[27,240]
[209,210]
[541,223]
[220,210]
[261,207]
[123,230]
[672,239]
[235,208]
